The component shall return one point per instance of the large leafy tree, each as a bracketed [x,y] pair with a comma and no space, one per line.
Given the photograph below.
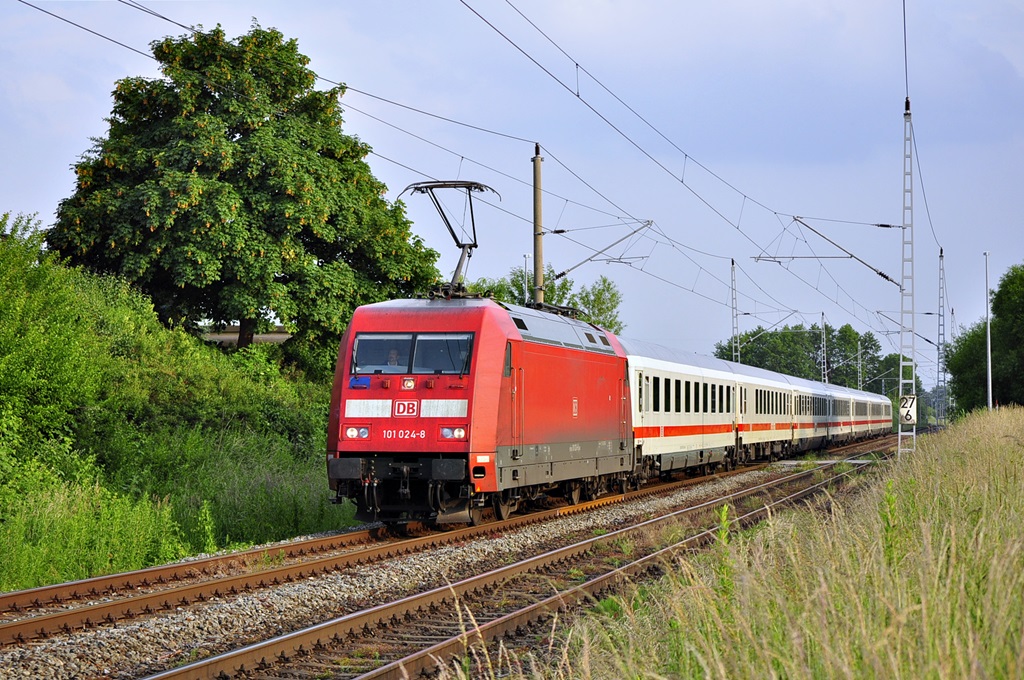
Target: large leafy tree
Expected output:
[597,303]
[227,190]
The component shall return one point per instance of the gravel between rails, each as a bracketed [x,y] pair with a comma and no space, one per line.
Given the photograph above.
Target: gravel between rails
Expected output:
[132,649]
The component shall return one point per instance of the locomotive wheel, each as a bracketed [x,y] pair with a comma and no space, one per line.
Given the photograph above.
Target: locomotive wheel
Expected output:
[476,517]
[504,506]
[573,491]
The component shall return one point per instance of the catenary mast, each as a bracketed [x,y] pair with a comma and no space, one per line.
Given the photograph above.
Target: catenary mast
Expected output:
[907,430]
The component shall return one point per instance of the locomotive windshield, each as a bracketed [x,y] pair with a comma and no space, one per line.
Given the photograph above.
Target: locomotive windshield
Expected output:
[420,353]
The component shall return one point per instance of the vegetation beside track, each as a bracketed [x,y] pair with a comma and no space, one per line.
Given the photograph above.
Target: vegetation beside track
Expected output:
[124,444]
[920,574]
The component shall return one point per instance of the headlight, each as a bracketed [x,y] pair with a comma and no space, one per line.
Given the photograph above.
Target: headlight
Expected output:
[408,383]
[453,433]
[357,433]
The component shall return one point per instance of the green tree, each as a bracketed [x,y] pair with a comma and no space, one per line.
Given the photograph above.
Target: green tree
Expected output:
[793,350]
[885,377]
[966,356]
[1007,331]
[797,351]
[597,303]
[227,191]
[851,355]
[967,365]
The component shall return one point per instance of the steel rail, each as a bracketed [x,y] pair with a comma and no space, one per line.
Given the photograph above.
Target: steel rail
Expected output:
[100,586]
[130,607]
[456,647]
[260,656]
[42,626]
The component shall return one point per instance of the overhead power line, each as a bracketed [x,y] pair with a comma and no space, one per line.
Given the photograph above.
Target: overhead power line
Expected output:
[674,244]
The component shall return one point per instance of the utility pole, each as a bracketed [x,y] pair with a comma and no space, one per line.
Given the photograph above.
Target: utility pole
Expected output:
[735,319]
[907,431]
[988,335]
[940,383]
[824,352]
[538,231]
[526,279]
[860,367]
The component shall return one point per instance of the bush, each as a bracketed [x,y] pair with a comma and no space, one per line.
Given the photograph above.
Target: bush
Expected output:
[113,424]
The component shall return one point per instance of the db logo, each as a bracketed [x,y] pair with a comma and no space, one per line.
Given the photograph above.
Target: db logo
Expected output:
[406,409]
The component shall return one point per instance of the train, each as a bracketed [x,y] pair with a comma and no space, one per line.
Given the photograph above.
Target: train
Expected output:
[446,408]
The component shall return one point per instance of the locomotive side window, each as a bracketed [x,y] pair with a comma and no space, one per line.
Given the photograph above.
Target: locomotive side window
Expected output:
[508,359]
[381,353]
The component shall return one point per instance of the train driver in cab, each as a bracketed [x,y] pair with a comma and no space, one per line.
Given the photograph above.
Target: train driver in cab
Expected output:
[394,364]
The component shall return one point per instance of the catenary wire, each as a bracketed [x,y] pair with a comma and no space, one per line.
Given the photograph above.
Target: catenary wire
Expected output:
[141,8]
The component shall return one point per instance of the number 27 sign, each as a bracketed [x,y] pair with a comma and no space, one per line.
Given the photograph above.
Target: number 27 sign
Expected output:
[908,409]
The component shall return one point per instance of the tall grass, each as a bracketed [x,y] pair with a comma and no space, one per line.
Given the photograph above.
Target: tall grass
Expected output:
[919,576]
[75,532]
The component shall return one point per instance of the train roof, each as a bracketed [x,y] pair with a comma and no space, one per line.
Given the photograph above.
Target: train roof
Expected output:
[655,351]
[534,325]
[554,329]
[538,325]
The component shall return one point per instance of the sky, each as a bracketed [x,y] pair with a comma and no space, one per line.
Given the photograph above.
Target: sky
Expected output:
[677,138]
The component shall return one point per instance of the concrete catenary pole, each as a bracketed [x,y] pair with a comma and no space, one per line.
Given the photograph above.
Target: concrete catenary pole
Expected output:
[538,231]
[988,336]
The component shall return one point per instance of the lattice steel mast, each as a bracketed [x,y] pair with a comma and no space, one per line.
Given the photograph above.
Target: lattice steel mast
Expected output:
[940,383]
[907,430]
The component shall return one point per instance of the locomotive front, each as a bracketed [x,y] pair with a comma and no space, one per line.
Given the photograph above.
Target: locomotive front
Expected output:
[411,376]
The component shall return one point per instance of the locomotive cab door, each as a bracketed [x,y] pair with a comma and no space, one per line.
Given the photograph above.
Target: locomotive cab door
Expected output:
[512,381]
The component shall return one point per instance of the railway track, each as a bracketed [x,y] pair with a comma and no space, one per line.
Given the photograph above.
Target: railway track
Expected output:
[43,612]
[460,623]
[308,560]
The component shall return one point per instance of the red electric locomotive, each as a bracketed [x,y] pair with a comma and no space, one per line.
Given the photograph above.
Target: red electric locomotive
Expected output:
[444,407]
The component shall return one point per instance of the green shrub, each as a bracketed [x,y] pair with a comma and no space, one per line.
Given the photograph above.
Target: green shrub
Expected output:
[103,410]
